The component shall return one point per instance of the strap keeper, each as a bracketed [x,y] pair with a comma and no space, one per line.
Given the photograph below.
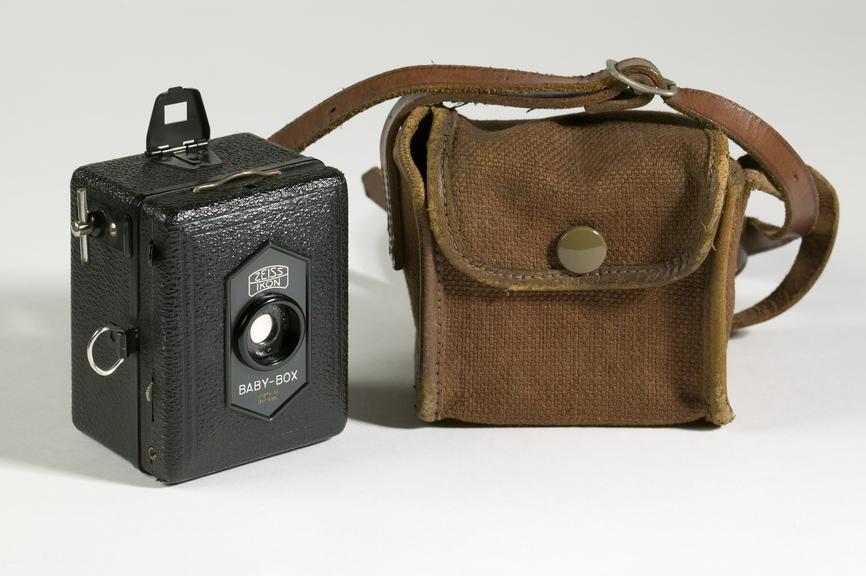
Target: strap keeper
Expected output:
[374,186]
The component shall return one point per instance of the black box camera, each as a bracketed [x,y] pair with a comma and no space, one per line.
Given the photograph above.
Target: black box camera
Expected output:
[209,298]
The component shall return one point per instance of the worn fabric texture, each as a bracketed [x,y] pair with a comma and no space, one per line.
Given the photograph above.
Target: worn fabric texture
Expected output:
[505,334]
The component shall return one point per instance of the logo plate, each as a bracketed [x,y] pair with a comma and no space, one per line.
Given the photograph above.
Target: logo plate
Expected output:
[259,390]
[268,278]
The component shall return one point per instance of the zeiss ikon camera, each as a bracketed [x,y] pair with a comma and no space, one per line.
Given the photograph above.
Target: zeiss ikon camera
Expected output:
[209,298]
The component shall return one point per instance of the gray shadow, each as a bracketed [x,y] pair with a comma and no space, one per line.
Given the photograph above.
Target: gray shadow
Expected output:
[381,351]
[36,427]
[390,404]
[35,418]
[739,334]
[381,365]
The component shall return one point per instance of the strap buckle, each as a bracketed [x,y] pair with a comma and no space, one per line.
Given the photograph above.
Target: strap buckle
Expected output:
[640,87]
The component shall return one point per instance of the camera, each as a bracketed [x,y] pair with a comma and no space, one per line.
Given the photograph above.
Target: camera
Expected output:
[208,298]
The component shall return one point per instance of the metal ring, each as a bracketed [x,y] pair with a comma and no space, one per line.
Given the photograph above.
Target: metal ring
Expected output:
[90,359]
[640,87]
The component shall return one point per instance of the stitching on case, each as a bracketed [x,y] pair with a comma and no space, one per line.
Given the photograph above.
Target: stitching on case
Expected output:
[650,269]
[438,263]
[493,271]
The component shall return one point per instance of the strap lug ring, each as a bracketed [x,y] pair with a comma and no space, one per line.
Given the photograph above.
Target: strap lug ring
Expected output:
[90,360]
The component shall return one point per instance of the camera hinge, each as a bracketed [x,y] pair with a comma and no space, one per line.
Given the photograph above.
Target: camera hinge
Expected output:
[185,148]
[179,132]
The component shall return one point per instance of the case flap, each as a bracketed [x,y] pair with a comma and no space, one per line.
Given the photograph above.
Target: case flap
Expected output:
[500,194]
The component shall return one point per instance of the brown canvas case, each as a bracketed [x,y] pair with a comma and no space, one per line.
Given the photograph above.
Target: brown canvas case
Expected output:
[506,333]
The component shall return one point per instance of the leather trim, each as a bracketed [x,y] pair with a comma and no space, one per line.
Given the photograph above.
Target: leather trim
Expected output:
[777,158]
[811,259]
[491,85]
[597,91]
[374,186]
[390,180]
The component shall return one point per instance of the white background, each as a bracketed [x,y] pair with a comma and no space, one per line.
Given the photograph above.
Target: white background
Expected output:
[780,490]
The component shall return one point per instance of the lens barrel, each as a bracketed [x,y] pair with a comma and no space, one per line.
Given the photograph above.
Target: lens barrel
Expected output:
[270,331]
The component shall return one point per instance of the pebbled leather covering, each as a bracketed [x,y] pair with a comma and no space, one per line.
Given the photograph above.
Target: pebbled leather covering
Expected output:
[173,290]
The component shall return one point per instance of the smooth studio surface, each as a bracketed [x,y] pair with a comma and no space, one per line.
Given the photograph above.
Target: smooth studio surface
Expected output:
[779,490]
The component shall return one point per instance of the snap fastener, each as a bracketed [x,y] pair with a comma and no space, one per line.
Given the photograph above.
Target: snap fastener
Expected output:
[581,249]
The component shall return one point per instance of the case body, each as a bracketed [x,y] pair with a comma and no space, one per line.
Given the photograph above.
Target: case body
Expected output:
[507,335]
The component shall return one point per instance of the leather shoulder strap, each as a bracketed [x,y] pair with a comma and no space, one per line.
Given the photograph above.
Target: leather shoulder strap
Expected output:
[631,85]
[812,255]
[467,83]
[594,91]
[776,157]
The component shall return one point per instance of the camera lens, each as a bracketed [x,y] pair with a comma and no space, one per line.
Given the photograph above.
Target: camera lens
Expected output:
[262,329]
[270,332]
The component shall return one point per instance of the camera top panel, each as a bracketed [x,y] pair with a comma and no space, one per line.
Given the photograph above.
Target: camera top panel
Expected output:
[138,176]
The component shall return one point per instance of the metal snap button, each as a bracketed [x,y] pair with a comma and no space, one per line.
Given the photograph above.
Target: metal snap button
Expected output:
[581,249]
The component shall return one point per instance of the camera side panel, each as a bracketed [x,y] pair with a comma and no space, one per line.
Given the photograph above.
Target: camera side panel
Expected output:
[103,294]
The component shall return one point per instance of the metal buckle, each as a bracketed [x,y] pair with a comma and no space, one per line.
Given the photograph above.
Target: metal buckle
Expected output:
[90,360]
[640,87]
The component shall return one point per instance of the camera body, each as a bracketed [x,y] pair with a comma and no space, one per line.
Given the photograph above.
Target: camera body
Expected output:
[209,298]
